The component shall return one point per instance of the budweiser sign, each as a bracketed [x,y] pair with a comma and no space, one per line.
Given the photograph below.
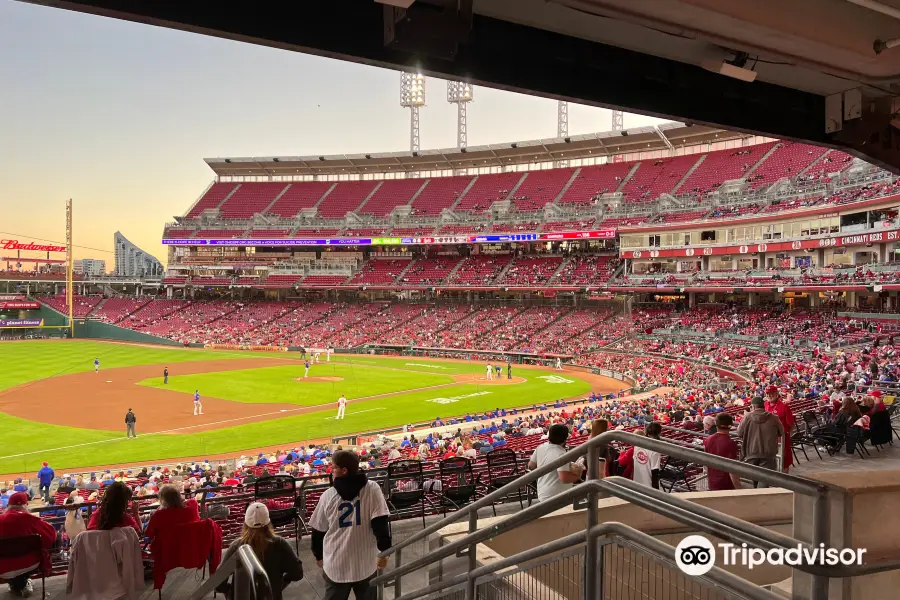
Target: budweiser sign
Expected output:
[17,245]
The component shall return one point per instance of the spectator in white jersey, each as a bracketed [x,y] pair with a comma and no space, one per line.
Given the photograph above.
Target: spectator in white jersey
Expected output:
[274,552]
[565,476]
[349,527]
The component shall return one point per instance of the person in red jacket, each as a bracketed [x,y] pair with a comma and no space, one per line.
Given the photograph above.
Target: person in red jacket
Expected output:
[173,511]
[17,521]
[781,410]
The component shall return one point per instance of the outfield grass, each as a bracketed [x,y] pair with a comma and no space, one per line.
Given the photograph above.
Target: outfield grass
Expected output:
[278,384]
[38,441]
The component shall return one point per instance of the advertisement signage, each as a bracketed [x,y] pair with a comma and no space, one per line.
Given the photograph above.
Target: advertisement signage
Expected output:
[21,322]
[6,297]
[398,241]
[21,305]
[30,246]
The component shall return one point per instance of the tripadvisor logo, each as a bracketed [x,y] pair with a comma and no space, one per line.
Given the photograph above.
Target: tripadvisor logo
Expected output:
[695,555]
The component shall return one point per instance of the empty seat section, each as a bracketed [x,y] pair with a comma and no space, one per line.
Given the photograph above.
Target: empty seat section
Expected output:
[323,280]
[379,271]
[392,193]
[593,180]
[487,190]
[413,231]
[318,232]
[365,231]
[657,176]
[212,198]
[515,227]
[722,166]
[179,234]
[540,188]
[345,197]
[251,198]
[585,225]
[281,281]
[787,160]
[269,233]
[440,193]
[834,161]
[220,233]
[430,271]
[301,194]
[200,281]
[458,229]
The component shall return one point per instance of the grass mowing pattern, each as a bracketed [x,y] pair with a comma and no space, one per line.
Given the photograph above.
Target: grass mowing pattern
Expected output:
[277,384]
[34,360]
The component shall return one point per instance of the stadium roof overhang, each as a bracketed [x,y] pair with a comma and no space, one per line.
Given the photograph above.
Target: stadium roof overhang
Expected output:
[644,56]
[605,144]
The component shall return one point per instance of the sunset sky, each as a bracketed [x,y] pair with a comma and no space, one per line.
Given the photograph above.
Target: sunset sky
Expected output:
[119,116]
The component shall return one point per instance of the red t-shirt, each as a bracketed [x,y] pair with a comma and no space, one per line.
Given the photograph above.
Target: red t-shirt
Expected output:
[722,445]
[127,521]
[167,517]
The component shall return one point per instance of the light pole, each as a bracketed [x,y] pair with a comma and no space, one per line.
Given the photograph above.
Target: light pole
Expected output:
[460,93]
[562,126]
[412,96]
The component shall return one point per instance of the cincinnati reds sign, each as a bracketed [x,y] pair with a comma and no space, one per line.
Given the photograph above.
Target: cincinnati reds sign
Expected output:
[17,245]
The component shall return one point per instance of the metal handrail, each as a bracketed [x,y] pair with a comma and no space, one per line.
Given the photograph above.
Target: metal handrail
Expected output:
[790,482]
[818,490]
[644,542]
[243,563]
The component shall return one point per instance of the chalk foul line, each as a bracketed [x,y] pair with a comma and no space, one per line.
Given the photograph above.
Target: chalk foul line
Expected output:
[356,412]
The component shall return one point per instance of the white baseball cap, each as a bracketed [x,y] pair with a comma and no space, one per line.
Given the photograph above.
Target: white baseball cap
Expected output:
[257,515]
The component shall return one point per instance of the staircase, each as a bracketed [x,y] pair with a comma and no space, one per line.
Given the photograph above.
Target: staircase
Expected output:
[559,269]
[464,192]
[418,191]
[512,192]
[128,315]
[566,187]
[399,277]
[369,196]
[315,206]
[815,162]
[502,273]
[625,179]
[230,194]
[275,199]
[452,272]
[690,172]
[761,160]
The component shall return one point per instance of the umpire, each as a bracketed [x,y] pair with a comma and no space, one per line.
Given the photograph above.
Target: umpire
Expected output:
[130,420]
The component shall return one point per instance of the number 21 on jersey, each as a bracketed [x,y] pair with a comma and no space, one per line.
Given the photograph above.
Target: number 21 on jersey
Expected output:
[345,519]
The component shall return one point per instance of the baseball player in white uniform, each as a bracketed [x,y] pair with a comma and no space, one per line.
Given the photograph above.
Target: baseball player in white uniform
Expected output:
[342,406]
[349,528]
[490,373]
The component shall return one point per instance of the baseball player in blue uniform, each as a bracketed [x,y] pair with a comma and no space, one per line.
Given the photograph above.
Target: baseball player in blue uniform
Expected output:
[96,365]
[305,375]
[198,408]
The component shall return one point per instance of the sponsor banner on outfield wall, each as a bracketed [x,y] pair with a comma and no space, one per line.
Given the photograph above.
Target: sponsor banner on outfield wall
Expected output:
[599,234]
[6,297]
[240,347]
[30,246]
[21,305]
[832,242]
[21,322]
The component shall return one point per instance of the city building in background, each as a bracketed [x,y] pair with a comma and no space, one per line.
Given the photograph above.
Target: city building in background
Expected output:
[131,261]
[90,266]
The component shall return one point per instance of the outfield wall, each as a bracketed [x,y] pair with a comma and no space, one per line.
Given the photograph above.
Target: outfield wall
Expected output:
[105,331]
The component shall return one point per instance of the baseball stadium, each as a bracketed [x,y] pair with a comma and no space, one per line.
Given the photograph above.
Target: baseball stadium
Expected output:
[569,367]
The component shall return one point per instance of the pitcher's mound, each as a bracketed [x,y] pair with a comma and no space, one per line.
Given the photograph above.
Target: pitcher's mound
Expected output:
[483,380]
[319,379]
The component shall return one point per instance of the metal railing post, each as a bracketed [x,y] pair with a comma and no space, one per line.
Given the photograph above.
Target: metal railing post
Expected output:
[397,585]
[821,534]
[590,552]
[470,582]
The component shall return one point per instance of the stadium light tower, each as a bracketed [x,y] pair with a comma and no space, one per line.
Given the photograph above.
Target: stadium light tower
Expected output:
[460,93]
[618,120]
[562,126]
[412,96]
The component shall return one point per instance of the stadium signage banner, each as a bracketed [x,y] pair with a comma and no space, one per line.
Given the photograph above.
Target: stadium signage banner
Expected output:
[400,241]
[832,242]
[240,347]
[16,245]
[21,305]
[21,322]
[11,297]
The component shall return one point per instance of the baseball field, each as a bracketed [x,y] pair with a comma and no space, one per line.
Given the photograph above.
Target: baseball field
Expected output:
[55,407]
